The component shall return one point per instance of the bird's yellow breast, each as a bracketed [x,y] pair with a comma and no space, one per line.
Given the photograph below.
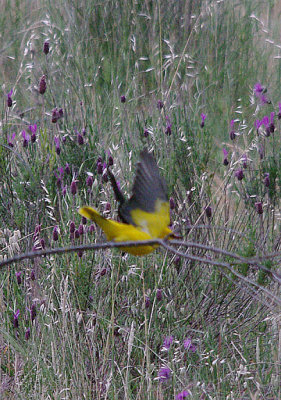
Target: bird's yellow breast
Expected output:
[156,223]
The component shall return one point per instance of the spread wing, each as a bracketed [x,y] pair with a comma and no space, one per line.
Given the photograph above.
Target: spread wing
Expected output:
[119,197]
[148,206]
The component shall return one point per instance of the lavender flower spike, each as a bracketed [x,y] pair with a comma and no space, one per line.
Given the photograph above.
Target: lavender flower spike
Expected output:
[164,374]
[26,138]
[10,139]
[225,154]
[203,117]
[167,342]
[182,395]
[9,98]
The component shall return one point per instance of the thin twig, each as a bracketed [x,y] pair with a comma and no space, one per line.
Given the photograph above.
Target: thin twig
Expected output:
[222,265]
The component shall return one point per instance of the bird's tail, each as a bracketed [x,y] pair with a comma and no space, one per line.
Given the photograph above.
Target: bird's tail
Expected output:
[107,225]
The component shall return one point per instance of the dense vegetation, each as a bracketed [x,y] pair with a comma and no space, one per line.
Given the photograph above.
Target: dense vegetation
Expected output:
[89,83]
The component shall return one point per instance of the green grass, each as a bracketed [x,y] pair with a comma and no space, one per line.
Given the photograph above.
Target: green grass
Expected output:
[100,327]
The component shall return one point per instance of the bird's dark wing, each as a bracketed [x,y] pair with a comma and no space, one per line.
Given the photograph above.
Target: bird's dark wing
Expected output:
[119,197]
[148,187]
[117,192]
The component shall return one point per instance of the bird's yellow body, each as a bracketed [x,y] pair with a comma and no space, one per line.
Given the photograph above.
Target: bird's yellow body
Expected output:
[146,215]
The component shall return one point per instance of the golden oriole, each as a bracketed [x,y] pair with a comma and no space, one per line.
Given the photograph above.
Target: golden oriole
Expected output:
[145,216]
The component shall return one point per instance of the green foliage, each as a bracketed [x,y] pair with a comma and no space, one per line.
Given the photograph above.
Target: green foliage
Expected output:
[96,335]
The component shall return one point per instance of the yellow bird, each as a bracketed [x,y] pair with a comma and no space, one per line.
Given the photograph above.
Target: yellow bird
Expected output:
[145,216]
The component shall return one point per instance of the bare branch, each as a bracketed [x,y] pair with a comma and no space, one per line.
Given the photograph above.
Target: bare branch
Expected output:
[222,265]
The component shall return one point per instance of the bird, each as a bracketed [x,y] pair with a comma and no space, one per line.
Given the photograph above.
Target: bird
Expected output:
[145,216]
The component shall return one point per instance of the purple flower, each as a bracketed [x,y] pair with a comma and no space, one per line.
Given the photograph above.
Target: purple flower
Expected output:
[188,345]
[42,85]
[81,229]
[265,122]
[46,47]
[261,151]
[73,188]
[164,374]
[123,99]
[27,334]
[64,190]
[259,92]
[32,275]
[33,128]
[72,227]
[67,169]
[16,319]
[271,125]
[76,234]
[92,228]
[182,395]
[160,104]
[56,114]
[110,159]
[244,160]
[208,211]
[258,124]
[146,133]
[59,176]
[147,302]
[266,180]
[172,203]
[203,117]
[239,174]
[177,260]
[264,99]
[84,220]
[225,154]
[279,113]
[55,234]
[99,168]
[80,139]
[107,206]
[89,181]
[26,138]
[18,276]
[232,132]
[9,98]
[159,294]
[61,171]
[258,88]
[167,342]
[42,243]
[10,139]
[33,312]
[105,177]
[258,206]
[168,130]
[57,144]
